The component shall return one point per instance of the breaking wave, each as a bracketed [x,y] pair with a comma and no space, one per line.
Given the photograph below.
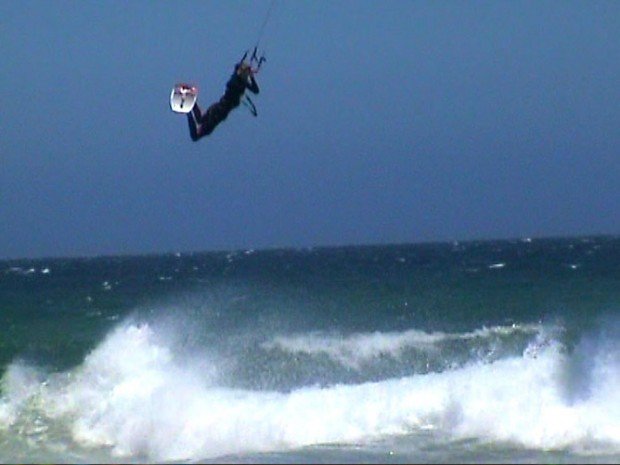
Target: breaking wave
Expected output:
[138,397]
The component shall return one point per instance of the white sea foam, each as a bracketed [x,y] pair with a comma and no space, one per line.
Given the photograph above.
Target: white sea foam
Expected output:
[134,395]
[19,384]
[356,349]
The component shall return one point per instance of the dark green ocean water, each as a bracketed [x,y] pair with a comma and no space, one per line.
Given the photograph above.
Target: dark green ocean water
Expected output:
[475,351]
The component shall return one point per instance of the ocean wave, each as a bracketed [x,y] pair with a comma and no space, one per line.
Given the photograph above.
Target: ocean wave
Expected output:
[356,349]
[135,396]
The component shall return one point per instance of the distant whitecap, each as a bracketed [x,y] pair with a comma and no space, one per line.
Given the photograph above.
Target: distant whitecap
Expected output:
[496,266]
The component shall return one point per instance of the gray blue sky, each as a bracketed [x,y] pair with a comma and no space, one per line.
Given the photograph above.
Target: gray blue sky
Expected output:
[379,122]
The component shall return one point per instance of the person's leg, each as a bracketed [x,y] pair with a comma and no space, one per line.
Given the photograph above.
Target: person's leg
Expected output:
[202,124]
[193,118]
[214,115]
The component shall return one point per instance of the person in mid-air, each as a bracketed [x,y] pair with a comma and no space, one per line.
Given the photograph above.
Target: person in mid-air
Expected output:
[203,123]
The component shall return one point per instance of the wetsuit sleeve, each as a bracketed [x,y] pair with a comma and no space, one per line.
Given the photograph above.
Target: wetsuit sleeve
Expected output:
[253,86]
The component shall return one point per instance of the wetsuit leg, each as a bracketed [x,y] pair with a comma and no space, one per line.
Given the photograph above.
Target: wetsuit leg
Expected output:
[202,124]
[193,118]
[214,115]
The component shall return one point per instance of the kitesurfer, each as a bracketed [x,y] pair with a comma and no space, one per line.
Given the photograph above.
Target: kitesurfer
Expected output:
[203,123]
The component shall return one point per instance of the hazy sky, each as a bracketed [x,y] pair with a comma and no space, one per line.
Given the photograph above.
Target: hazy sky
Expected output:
[379,122]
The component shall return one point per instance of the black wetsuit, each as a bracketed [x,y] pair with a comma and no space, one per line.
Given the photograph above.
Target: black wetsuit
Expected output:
[202,124]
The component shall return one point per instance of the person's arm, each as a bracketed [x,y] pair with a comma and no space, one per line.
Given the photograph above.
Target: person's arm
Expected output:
[252,85]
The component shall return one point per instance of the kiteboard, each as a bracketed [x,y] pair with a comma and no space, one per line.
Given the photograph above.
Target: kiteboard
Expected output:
[183,98]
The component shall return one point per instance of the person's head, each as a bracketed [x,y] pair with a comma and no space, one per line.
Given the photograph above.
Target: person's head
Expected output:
[244,69]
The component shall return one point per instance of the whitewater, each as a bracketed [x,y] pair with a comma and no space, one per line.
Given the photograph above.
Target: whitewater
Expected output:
[180,379]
